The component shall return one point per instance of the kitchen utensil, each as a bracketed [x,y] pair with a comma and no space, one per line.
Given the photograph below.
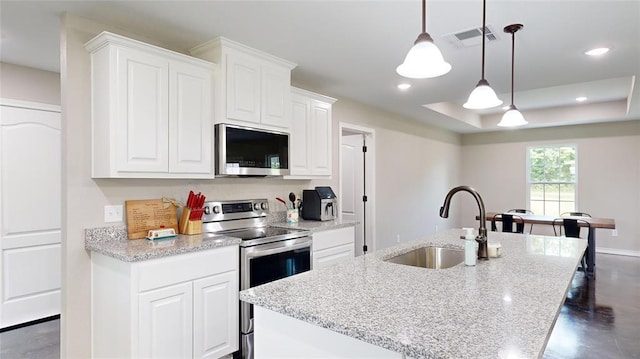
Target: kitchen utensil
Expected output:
[292,198]
[282,201]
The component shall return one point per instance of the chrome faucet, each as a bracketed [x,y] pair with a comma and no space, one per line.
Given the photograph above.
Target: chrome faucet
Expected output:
[481,238]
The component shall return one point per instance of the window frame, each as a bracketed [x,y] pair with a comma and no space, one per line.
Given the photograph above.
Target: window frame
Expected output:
[528,171]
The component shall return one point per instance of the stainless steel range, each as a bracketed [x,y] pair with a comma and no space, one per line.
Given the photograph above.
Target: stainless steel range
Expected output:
[266,253]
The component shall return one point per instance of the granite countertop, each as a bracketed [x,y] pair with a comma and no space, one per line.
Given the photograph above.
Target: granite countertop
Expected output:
[503,307]
[316,226]
[113,242]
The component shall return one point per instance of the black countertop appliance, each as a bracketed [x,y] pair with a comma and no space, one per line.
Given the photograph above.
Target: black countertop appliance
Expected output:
[319,204]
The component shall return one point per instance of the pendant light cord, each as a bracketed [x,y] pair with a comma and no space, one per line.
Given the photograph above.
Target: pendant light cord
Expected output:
[424,16]
[484,19]
[513,60]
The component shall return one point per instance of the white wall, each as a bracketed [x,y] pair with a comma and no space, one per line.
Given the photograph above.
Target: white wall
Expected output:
[29,84]
[608,175]
[436,166]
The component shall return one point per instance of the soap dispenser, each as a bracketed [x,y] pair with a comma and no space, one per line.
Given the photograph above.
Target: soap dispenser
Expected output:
[470,247]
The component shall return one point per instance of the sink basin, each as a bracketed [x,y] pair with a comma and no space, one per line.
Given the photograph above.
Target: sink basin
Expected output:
[430,257]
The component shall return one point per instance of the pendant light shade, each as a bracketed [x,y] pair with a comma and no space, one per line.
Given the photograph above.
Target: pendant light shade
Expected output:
[424,60]
[512,117]
[483,95]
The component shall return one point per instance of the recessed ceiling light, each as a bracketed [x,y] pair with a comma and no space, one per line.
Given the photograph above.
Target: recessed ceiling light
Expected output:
[404,86]
[597,51]
[581,99]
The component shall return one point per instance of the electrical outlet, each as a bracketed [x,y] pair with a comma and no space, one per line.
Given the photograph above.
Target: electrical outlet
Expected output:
[113,213]
[614,233]
[398,238]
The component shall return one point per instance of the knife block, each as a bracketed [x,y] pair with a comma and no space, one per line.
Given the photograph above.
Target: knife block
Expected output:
[188,226]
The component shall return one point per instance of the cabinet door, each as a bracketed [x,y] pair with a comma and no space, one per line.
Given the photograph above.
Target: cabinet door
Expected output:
[328,257]
[276,96]
[299,151]
[215,315]
[320,138]
[165,324]
[243,89]
[190,119]
[142,115]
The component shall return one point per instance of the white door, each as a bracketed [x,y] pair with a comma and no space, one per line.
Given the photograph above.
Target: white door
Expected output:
[215,324]
[30,210]
[165,323]
[351,162]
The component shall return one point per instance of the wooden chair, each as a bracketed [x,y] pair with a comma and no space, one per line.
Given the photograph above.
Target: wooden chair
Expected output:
[572,227]
[508,220]
[520,226]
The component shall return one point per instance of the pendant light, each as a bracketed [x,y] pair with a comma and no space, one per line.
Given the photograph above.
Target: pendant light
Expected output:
[483,95]
[424,60]
[512,117]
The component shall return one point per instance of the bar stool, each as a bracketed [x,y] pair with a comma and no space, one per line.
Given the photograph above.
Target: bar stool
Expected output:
[520,226]
[572,228]
[507,223]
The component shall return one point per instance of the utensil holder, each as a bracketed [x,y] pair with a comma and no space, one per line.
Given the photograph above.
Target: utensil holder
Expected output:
[292,216]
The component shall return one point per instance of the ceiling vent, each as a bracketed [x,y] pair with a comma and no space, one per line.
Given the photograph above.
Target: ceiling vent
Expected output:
[471,37]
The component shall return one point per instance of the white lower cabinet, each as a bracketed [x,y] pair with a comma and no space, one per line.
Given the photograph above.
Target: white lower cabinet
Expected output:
[181,306]
[333,246]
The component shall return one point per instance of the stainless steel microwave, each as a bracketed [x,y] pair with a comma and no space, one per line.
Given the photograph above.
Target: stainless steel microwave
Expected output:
[246,151]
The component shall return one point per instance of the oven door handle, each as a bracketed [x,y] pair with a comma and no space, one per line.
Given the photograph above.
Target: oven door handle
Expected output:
[254,252]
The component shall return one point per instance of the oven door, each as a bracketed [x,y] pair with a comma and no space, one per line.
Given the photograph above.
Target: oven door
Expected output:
[265,263]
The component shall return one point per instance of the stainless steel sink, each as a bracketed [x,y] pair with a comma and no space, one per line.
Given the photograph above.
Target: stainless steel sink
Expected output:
[430,257]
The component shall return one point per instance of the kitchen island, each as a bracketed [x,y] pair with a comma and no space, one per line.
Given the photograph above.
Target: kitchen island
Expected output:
[368,307]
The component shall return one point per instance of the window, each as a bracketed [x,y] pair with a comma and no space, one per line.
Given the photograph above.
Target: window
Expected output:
[552,179]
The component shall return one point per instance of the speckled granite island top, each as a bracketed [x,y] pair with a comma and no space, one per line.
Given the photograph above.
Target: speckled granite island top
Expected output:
[503,307]
[316,226]
[113,242]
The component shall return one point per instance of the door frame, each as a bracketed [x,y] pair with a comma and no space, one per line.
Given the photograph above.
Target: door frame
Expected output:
[370,175]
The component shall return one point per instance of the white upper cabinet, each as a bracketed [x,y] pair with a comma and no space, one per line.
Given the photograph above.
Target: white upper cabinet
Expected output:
[254,88]
[310,152]
[151,111]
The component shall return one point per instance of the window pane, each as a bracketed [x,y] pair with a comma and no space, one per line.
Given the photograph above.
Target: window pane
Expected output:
[536,192]
[551,208]
[552,164]
[567,162]
[536,164]
[567,207]
[552,192]
[537,207]
[567,192]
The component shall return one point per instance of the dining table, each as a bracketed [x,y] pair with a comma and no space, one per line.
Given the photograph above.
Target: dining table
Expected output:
[594,223]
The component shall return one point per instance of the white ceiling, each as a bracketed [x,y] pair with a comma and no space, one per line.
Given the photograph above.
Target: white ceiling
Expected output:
[351,49]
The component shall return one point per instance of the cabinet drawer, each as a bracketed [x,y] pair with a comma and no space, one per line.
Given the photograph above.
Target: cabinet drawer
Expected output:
[333,238]
[185,267]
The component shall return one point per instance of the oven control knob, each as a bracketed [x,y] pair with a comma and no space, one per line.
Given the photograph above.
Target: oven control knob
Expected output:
[216,209]
[263,205]
[207,210]
[256,206]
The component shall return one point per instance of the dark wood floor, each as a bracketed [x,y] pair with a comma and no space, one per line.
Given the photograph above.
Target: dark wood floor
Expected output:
[600,319]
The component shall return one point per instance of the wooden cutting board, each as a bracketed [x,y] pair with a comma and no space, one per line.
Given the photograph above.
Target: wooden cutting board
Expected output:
[146,214]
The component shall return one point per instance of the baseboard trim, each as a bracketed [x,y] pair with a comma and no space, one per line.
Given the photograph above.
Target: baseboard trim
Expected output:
[619,252]
[37,321]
